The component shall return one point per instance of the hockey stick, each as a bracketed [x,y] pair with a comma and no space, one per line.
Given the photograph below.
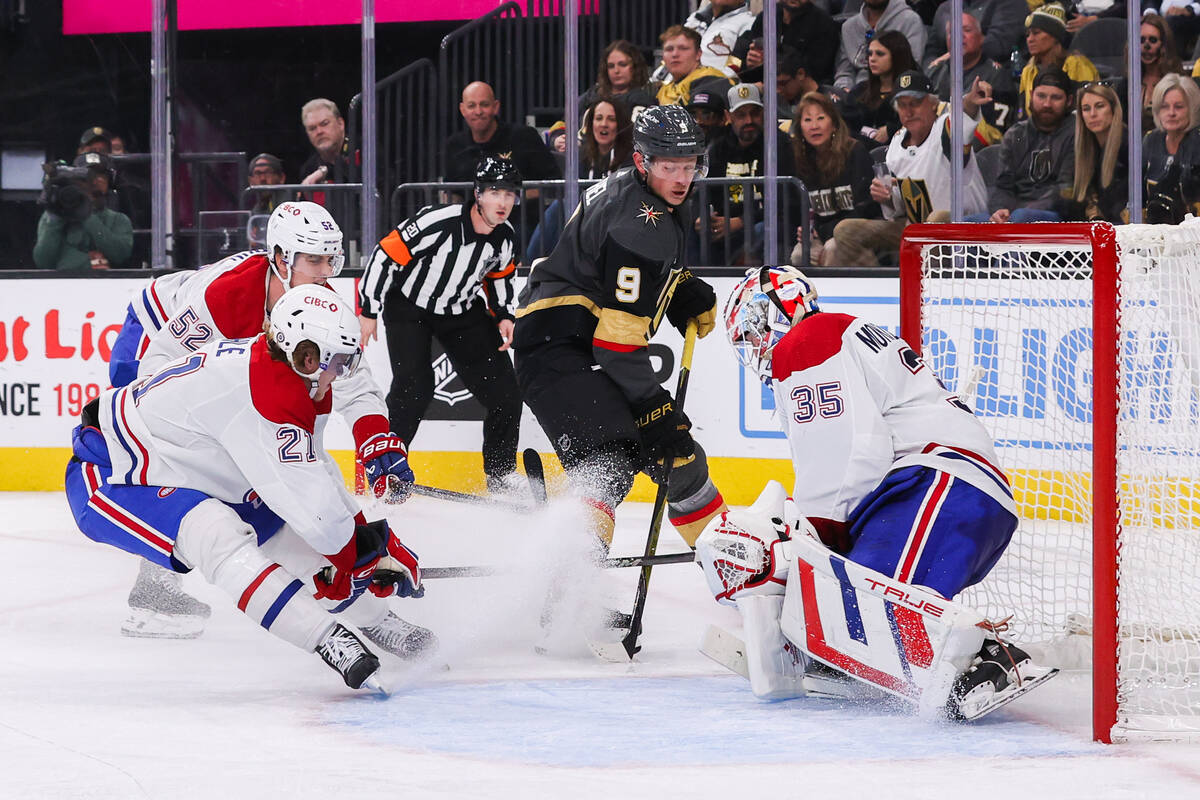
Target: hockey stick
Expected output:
[608,563]
[535,475]
[466,497]
[629,642]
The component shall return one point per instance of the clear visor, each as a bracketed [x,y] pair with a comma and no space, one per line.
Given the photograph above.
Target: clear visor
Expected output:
[508,191]
[325,265]
[343,365]
[677,169]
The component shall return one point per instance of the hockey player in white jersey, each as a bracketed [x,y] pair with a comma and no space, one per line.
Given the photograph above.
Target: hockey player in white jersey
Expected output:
[177,314]
[898,506]
[189,468]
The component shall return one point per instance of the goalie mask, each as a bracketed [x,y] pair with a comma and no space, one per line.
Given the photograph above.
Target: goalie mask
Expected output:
[762,309]
[299,226]
[317,314]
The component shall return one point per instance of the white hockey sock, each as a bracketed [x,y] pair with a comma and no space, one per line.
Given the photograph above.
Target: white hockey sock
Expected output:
[215,541]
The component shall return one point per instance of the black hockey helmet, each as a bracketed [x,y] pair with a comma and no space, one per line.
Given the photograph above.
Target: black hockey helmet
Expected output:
[668,131]
[497,172]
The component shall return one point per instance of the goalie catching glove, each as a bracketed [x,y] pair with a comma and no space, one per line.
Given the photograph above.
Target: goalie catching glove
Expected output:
[373,558]
[693,299]
[385,462]
[747,552]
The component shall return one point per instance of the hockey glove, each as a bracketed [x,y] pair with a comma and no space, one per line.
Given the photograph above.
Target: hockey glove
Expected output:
[693,299]
[354,565]
[385,460]
[398,572]
[664,431]
[744,553]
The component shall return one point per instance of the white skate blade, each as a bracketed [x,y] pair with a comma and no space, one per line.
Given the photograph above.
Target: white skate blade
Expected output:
[726,649]
[609,651]
[143,623]
[974,711]
[376,685]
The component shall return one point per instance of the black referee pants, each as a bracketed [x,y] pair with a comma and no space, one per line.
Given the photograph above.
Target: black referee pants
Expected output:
[470,341]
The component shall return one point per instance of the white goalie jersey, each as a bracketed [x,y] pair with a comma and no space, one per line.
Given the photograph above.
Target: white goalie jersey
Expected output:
[184,311]
[231,422]
[856,403]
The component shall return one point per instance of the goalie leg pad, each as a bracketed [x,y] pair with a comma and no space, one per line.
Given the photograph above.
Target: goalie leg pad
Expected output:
[903,639]
[774,665]
[927,527]
[214,540]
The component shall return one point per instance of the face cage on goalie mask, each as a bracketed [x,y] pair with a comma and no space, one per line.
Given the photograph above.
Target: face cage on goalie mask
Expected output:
[754,326]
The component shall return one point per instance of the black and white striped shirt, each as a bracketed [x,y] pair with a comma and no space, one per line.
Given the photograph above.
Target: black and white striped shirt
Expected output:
[439,262]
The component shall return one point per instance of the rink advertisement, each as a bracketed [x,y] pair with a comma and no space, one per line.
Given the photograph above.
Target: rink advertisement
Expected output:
[56,337]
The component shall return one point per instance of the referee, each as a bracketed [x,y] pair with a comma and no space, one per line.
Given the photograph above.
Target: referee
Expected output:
[447,272]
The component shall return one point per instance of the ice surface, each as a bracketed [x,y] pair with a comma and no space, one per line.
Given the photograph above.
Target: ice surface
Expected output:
[85,712]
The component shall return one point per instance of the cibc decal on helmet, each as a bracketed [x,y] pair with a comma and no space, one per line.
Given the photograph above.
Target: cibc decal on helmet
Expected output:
[299,226]
[317,314]
[760,311]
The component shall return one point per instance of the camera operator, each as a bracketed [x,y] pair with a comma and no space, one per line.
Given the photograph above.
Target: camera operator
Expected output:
[78,230]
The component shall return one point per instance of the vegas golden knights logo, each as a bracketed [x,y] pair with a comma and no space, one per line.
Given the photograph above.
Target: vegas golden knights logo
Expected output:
[743,92]
[905,81]
[917,203]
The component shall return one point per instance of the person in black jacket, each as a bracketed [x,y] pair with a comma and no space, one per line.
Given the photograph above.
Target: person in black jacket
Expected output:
[488,135]
[868,110]
[1171,152]
[836,169]
[585,318]
[1100,190]
[803,27]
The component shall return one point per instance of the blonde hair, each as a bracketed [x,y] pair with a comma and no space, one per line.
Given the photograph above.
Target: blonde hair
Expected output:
[1191,93]
[1087,147]
[319,104]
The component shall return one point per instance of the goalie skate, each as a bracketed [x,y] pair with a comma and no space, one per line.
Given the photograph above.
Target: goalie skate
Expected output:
[402,639]
[346,654]
[160,609]
[1001,673]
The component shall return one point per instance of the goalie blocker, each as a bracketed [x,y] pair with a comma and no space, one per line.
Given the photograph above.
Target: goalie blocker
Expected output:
[819,624]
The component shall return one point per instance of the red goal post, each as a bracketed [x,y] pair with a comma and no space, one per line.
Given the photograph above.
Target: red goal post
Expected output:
[1097,427]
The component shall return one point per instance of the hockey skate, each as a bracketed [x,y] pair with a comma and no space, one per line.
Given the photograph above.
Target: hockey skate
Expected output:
[1001,673]
[402,639]
[160,609]
[346,653]
[512,487]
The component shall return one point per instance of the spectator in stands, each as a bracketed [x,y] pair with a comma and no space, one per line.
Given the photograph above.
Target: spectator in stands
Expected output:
[95,140]
[802,26]
[1159,58]
[329,161]
[1038,157]
[1182,17]
[118,145]
[1003,21]
[794,80]
[1083,18]
[1100,189]
[875,17]
[264,170]
[1046,37]
[720,23]
[681,57]
[1171,152]
[739,153]
[918,189]
[78,230]
[708,109]
[868,110]
[607,140]
[1002,111]
[837,171]
[623,76]
[488,135]
[606,145]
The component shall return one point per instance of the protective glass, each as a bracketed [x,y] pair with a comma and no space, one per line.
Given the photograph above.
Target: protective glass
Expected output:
[343,365]
[676,169]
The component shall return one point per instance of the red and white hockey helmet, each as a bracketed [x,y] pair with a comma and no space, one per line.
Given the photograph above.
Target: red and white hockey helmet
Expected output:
[317,314]
[762,309]
[299,226]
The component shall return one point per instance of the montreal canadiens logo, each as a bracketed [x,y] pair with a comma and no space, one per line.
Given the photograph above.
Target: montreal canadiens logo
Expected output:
[166,492]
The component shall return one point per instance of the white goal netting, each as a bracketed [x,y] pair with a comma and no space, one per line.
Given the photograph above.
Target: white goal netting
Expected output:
[1008,325]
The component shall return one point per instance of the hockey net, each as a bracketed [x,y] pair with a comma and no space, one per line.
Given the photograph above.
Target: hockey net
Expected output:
[1078,346]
